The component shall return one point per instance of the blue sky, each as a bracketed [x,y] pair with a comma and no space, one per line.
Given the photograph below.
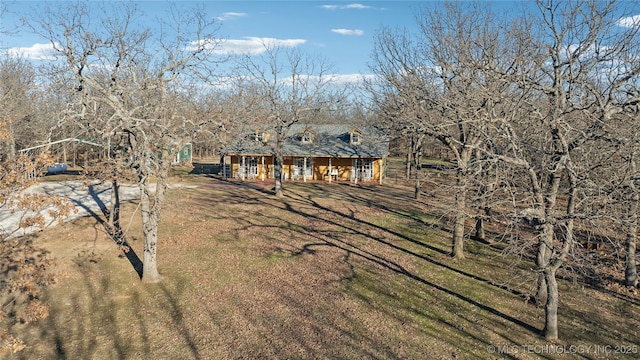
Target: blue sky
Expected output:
[341,31]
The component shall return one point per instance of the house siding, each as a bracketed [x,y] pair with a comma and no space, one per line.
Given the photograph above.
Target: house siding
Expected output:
[320,168]
[325,144]
[265,171]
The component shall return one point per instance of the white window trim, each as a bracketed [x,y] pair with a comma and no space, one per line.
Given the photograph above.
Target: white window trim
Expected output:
[356,138]
[298,168]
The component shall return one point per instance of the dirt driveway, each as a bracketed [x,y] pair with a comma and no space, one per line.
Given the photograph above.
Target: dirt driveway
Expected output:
[88,199]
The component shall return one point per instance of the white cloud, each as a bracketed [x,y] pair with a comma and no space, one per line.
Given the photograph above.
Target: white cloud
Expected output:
[250,45]
[356,32]
[630,22]
[351,78]
[231,15]
[34,52]
[341,7]
[330,79]
[356,6]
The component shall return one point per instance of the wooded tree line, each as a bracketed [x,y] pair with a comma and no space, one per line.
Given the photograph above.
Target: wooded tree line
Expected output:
[140,95]
[539,111]
[547,101]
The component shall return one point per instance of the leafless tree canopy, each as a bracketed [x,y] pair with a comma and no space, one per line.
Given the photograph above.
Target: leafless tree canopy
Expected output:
[540,112]
[550,95]
[135,88]
[288,87]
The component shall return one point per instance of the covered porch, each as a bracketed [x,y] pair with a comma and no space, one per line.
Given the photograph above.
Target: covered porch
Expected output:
[307,168]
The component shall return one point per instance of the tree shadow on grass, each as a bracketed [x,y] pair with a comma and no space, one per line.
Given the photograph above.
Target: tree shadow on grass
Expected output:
[398,247]
[172,304]
[291,203]
[343,332]
[395,195]
[97,316]
[396,268]
[114,232]
[85,321]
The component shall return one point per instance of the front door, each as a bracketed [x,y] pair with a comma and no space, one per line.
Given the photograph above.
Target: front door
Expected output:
[302,170]
[252,167]
[362,169]
[367,169]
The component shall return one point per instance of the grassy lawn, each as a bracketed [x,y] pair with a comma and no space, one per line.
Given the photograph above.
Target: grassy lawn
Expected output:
[327,272]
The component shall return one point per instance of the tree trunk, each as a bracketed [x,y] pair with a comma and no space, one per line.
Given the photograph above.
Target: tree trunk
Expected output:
[631,270]
[114,212]
[278,166]
[408,166]
[278,172]
[555,256]
[150,263]
[460,217]
[151,216]
[479,227]
[551,305]
[416,165]
[486,191]
[542,262]
[150,231]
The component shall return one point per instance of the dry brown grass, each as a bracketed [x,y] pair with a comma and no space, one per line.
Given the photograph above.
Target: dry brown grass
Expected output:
[327,272]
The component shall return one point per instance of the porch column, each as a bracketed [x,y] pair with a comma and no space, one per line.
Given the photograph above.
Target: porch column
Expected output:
[244,168]
[262,170]
[304,169]
[355,171]
[224,168]
[380,167]
[329,170]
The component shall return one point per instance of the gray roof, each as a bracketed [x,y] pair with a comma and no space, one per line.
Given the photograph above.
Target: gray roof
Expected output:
[328,141]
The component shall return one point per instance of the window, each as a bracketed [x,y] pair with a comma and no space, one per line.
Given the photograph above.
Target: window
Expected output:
[362,169]
[303,168]
[252,167]
[248,167]
[306,137]
[259,137]
[355,138]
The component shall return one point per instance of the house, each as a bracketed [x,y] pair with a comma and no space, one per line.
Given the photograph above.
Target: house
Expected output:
[184,156]
[313,152]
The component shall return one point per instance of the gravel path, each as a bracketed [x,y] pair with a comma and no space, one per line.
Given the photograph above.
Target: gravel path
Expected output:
[87,199]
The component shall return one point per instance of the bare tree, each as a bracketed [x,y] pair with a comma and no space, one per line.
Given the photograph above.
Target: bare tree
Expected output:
[435,85]
[17,90]
[24,267]
[144,81]
[562,64]
[396,118]
[632,224]
[620,191]
[292,87]
[535,97]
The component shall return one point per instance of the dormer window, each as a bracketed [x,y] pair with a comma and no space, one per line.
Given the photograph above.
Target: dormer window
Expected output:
[355,137]
[307,137]
[261,136]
